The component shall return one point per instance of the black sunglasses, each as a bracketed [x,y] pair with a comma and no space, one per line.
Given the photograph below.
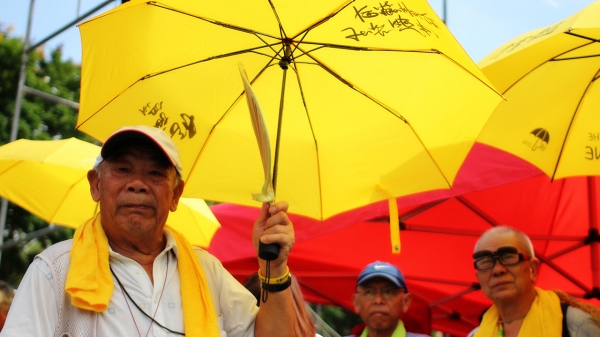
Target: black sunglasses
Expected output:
[507,256]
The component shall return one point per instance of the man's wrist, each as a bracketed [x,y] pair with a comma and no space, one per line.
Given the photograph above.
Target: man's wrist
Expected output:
[274,288]
[281,278]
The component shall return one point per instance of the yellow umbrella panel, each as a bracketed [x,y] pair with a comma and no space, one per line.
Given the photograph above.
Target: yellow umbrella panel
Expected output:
[379,99]
[548,77]
[49,179]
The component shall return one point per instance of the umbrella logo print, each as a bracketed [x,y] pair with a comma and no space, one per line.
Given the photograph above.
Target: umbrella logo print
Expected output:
[542,138]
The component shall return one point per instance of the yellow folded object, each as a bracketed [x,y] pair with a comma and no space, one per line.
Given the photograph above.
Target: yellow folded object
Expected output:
[543,319]
[90,284]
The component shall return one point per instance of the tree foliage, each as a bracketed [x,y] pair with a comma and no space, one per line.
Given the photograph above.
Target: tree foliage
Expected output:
[40,119]
[339,319]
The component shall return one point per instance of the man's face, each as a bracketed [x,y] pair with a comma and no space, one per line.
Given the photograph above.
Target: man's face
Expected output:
[136,189]
[380,304]
[506,283]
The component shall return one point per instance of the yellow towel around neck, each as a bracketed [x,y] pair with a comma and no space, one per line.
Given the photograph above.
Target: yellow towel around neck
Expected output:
[544,318]
[90,283]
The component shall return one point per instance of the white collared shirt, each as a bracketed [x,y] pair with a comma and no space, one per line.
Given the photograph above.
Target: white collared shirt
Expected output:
[34,309]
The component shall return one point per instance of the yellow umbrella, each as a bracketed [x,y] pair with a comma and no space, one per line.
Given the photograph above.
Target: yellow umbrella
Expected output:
[379,99]
[548,76]
[49,179]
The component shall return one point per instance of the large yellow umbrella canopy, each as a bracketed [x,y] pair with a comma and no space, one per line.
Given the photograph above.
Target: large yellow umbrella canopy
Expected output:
[548,76]
[379,100]
[49,179]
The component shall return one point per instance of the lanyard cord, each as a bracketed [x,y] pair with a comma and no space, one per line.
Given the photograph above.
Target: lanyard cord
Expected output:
[142,311]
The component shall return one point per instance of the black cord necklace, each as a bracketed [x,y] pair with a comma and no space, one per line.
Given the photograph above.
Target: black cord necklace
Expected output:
[142,311]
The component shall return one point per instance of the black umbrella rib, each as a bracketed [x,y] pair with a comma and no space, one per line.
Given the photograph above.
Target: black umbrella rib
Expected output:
[165,71]
[215,22]
[582,37]
[341,46]
[281,30]
[269,45]
[567,250]
[295,68]
[269,64]
[235,101]
[350,85]
[554,58]
[562,272]
[564,141]
[238,52]
[330,71]
[323,20]
[297,45]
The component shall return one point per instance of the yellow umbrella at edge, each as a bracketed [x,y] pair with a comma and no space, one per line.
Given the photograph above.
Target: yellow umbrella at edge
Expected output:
[548,76]
[380,99]
[49,179]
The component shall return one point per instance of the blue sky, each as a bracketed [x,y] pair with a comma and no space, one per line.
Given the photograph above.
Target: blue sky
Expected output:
[479,25]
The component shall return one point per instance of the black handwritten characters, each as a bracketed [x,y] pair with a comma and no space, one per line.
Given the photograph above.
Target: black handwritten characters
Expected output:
[389,18]
[182,128]
[592,152]
[526,40]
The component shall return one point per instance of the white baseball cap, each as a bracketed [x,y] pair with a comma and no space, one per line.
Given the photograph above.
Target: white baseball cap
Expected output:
[127,134]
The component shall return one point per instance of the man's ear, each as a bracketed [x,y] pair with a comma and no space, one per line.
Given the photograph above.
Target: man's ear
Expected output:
[406,301]
[535,268]
[356,303]
[94,181]
[177,192]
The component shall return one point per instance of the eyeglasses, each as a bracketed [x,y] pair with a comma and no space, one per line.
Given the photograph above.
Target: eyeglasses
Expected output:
[507,256]
[387,293]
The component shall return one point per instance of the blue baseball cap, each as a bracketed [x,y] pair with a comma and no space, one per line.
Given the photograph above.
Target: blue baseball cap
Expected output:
[385,270]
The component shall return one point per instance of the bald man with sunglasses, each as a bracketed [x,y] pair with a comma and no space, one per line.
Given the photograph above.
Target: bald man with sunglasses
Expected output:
[507,269]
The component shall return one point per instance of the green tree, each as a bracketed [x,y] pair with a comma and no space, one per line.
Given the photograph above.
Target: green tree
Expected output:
[339,319]
[40,120]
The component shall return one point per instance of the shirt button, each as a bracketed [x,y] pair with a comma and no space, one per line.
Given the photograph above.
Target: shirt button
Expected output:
[156,300]
[138,271]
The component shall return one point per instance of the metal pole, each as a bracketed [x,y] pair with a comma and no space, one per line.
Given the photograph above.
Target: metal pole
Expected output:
[445,19]
[593,226]
[17,114]
[68,25]
[40,232]
[51,97]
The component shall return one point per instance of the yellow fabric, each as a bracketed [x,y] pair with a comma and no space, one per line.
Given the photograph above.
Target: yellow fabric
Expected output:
[397,105]
[48,178]
[90,284]
[89,281]
[549,79]
[394,226]
[543,319]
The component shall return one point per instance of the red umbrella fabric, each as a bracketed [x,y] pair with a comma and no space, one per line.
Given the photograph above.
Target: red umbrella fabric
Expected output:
[328,256]
[327,266]
[561,217]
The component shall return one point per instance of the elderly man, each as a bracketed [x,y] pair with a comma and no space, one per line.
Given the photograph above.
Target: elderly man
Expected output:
[507,269]
[380,300]
[127,273]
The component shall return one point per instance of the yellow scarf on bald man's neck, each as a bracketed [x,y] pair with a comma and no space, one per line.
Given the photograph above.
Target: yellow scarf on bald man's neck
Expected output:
[543,319]
[90,284]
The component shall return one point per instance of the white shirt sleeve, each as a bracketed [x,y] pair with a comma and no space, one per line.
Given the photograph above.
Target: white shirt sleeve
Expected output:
[237,305]
[33,311]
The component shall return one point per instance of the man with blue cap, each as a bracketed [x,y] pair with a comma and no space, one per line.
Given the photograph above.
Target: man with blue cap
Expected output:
[381,298]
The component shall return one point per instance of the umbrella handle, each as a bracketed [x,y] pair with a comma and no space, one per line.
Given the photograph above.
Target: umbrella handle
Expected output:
[268,251]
